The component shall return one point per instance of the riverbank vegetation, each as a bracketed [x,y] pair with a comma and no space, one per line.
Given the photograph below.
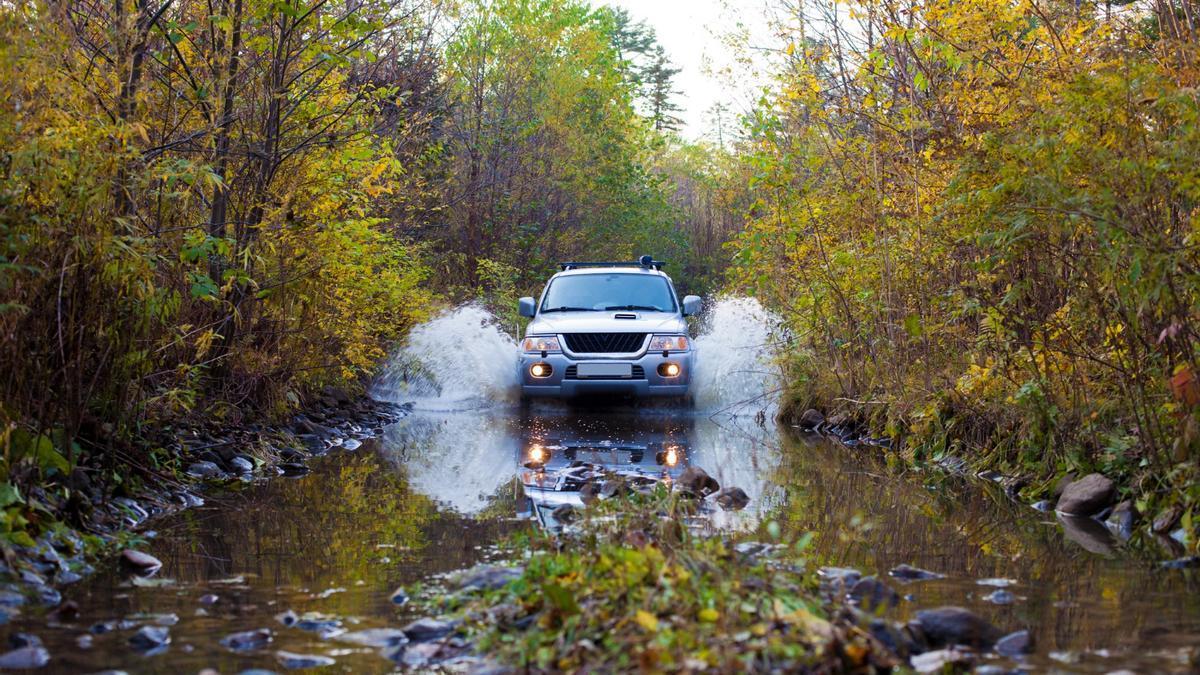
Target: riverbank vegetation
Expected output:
[980,221]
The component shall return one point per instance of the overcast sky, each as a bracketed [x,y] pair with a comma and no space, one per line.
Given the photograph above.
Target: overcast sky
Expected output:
[695,35]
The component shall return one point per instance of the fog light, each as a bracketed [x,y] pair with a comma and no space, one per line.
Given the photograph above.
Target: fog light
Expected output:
[540,370]
[668,369]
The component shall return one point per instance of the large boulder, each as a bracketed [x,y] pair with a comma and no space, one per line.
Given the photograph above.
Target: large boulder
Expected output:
[1087,496]
[949,626]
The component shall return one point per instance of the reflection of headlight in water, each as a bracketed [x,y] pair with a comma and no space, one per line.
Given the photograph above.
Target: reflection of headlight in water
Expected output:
[672,456]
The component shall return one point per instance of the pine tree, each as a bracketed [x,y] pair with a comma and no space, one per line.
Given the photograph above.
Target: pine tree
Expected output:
[659,91]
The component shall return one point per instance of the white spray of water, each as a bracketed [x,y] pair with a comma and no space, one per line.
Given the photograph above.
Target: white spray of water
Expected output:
[736,373]
[461,359]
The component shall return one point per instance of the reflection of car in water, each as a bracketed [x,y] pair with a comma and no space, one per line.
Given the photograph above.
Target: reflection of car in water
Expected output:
[608,328]
[556,464]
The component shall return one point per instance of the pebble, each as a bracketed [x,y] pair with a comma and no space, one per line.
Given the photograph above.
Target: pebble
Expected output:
[287,618]
[205,469]
[1015,644]
[247,640]
[424,630]
[1000,597]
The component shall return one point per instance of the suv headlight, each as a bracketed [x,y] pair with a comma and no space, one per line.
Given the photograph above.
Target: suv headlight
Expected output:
[669,343]
[542,343]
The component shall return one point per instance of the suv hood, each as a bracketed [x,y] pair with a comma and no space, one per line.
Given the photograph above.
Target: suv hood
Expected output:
[605,322]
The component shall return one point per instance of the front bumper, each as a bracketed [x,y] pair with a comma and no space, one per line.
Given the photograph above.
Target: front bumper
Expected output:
[563,383]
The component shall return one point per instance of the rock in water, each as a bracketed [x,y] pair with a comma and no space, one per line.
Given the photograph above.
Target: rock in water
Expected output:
[811,419]
[25,658]
[150,637]
[141,563]
[1122,520]
[1087,496]
[948,626]
[870,593]
[733,499]
[425,630]
[697,481]
[1015,644]
[293,661]
[487,577]
[375,637]
[247,640]
[564,513]
[287,618]
[910,573]
[941,661]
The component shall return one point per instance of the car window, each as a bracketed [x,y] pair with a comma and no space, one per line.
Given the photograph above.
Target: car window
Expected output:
[598,292]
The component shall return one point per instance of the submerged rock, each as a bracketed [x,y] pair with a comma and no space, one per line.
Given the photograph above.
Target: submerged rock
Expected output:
[293,469]
[375,637]
[1087,496]
[25,658]
[948,626]
[293,661]
[399,597]
[843,577]
[905,572]
[942,660]
[1000,597]
[247,640]
[733,499]
[150,637]
[287,618]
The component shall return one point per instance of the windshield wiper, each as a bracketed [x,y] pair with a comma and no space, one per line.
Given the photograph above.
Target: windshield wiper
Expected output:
[645,308]
[568,309]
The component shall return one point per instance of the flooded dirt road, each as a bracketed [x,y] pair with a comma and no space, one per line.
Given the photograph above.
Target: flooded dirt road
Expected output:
[438,489]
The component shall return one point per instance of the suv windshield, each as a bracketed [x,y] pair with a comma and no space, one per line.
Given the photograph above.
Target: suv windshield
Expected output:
[598,292]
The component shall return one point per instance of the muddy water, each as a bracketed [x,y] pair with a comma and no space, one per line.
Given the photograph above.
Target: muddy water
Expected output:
[439,488]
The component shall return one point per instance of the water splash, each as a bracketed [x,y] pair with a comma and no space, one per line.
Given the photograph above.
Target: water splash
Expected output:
[736,349]
[462,360]
[458,360]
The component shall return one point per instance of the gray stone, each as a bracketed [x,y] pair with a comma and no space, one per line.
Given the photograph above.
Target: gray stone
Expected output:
[1087,496]
[25,658]
[293,661]
[1123,519]
[205,469]
[948,626]
[241,465]
[287,618]
[942,660]
[907,572]
[1000,597]
[247,640]
[150,637]
[378,638]
[426,629]
[1015,644]
[141,563]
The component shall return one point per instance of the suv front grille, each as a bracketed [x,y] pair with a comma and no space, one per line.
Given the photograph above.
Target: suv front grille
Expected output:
[638,373]
[604,343]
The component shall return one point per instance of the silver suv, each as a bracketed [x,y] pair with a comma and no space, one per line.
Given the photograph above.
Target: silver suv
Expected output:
[608,328]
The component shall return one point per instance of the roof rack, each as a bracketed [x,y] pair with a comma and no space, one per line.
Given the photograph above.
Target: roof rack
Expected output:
[646,261]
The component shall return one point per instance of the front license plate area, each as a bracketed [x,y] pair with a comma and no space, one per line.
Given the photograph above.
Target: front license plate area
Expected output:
[605,370]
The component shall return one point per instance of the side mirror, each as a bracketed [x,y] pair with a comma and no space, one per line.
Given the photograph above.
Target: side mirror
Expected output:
[526,307]
[691,305]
